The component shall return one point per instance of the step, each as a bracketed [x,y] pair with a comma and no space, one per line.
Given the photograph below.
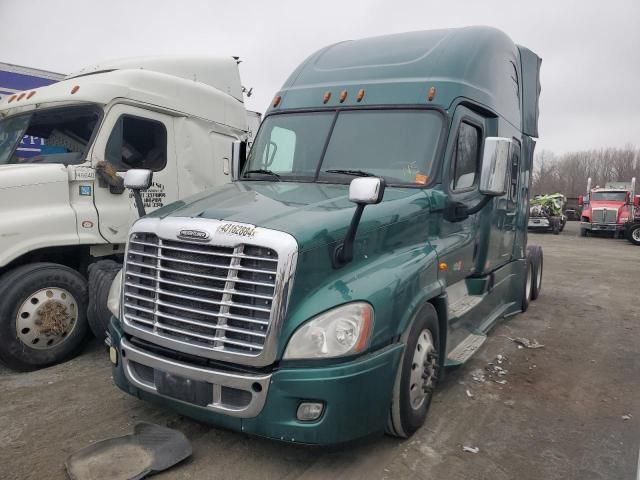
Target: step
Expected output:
[466,348]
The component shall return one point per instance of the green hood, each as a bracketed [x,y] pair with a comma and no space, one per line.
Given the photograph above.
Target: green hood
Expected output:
[315,214]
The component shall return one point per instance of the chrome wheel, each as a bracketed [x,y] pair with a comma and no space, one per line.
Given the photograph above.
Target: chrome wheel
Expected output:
[46,318]
[423,370]
[527,290]
[539,277]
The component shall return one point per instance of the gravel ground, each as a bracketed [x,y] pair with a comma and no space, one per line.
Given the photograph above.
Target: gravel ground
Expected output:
[570,410]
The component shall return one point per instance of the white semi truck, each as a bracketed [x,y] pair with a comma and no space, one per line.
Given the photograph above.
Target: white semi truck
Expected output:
[65,208]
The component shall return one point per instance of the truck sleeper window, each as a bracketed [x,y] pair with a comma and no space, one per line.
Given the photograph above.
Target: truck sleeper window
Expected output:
[137,143]
[55,135]
[399,145]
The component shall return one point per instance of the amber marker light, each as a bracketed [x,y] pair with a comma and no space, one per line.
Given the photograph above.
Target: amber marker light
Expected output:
[343,96]
[442,266]
[31,94]
[326,97]
[367,324]
[21,96]
[276,100]
[75,89]
[12,98]
[360,95]
[431,94]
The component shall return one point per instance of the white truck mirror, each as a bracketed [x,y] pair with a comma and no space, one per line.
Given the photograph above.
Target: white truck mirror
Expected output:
[495,166]
[138,179]
[366,190]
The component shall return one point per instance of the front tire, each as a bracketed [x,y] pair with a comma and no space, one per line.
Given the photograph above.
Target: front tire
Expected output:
[417,375]
[527,284]
[42,315]
[634,234]
[101,275]
[538,264]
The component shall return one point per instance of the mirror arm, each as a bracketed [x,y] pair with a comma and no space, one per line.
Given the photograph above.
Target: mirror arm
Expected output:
[343,253]
[458,211]
[139,203]
[480,205]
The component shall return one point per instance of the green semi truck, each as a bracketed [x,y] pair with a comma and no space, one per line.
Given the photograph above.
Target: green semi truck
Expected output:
[374,234]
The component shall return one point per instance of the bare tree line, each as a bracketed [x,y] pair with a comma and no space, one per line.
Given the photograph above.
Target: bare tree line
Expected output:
[568,173]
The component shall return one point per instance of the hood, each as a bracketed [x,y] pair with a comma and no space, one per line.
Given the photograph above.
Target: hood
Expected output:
[16,175]
[315,214]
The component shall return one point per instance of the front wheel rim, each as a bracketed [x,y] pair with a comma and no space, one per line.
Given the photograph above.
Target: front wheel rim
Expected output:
[424,368]
[635,234]
[46,318]
[529,282]
[539,277]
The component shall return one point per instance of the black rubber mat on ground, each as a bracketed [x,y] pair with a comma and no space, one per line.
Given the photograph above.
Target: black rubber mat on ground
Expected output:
[149,449]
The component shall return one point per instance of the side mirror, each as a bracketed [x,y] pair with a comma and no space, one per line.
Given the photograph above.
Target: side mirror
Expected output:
[238,157]
[137,180]
[580,200]
[366,190]
[363,191]
[495,166]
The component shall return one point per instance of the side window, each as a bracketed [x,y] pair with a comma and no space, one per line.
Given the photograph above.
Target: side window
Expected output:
[137,143]
[515,166]
[280,152]
[466,157]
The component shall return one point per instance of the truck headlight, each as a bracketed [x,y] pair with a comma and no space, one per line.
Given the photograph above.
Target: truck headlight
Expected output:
[113,300]
[341,331]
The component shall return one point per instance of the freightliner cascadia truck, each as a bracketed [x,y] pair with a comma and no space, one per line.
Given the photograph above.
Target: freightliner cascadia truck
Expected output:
[374,234]
[63,208]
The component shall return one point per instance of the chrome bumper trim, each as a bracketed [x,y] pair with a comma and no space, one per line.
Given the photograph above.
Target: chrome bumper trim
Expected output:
[218,380]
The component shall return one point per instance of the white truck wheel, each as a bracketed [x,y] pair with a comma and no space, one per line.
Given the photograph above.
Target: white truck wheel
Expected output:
[42,316]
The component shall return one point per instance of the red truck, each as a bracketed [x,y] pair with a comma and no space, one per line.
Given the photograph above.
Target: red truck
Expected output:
[609,208]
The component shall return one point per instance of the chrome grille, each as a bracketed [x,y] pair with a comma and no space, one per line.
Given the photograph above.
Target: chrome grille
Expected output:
[604,215]
[214,297]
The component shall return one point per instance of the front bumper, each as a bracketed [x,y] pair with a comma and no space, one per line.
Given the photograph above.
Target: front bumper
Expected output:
[603,227]
[356,394]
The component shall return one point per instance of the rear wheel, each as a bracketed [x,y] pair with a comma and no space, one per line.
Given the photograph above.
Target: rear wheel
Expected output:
[634,234]
[101,275]
[536,286]
[42,315]
[527,285]
[555,222]
[417,375]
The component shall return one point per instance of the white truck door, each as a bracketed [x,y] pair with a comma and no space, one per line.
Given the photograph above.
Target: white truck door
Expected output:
[133,137]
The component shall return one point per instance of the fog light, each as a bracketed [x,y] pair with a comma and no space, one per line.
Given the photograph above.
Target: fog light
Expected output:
[113,355]
[308,411]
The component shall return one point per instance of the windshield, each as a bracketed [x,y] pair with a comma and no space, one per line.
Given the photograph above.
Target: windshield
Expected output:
[609,196]
[332,147]
[55,135]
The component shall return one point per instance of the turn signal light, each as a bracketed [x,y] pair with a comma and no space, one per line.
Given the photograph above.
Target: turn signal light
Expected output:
[431,94]
[75,89]
[276,100]
[442,266]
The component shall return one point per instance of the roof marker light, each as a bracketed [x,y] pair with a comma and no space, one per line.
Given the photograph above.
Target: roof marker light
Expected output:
[21,96]
[326,97]
[75,89]
[360,95]
[432,93]
[31,94]
[442,267]
[343,96]
[12,98]
[276,100]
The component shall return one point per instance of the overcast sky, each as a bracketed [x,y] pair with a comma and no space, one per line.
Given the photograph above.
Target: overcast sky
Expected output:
[590,68]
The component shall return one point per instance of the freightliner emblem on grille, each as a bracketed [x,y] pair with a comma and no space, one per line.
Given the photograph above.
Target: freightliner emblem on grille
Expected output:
[193,235]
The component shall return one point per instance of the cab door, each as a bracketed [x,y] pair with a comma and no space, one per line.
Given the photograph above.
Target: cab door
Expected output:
[458,239]
[132,137]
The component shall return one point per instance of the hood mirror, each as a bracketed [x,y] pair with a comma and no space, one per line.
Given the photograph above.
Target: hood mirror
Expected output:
[137,180]
[363,191]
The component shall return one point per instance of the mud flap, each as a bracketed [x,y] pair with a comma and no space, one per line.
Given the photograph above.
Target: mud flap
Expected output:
[148,450]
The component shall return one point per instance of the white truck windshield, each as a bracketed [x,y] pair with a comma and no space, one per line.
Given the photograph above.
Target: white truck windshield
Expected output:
[54,135]
[609,196]
[332,147]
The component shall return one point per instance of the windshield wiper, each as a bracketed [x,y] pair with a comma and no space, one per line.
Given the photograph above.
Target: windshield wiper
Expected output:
[264,172]
[355,173]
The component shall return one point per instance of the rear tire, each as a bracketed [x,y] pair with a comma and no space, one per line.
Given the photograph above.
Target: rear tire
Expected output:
[42,315]
[538,264]
[417,375]
[556,225]
[101,275]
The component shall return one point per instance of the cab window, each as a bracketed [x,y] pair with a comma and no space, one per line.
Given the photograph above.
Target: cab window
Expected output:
[137,143]
[466,157]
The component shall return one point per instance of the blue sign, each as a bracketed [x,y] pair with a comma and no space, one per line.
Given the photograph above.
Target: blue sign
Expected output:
[85,190]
